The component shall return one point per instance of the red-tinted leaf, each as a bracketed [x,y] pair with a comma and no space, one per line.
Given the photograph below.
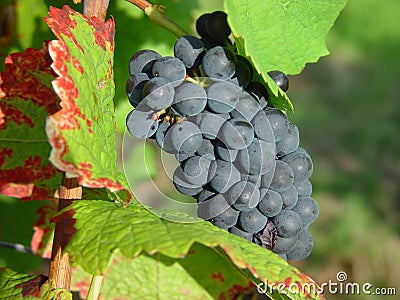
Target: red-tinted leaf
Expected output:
[42,239]
[16,286]
[26,99]
[66,224]
[82,133]
[32,286]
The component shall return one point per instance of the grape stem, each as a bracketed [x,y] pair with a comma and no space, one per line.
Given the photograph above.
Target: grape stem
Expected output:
[95,286]
[156,14]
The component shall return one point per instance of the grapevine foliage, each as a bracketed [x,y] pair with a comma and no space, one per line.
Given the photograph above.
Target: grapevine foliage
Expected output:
[57,113]
[213,279]
[15,285]
[132,231]
[26,99]
[82,132]
[295,34]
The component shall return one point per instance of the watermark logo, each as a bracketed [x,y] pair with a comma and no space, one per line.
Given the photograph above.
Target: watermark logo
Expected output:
[339,287]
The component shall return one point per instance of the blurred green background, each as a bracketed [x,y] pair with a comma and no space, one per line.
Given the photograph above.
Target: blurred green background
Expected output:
[347,109]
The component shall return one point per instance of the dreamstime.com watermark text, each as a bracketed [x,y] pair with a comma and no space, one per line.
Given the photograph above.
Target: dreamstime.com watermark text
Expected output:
[335,288]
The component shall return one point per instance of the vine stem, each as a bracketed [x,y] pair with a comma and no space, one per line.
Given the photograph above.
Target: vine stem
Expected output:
[60,268]
[96,8]
[156,14]
[94,288]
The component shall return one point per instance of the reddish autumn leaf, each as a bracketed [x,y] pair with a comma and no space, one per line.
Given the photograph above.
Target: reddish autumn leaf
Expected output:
[42,239]
[16,286]
[26,99]
[32,286]
[82,133]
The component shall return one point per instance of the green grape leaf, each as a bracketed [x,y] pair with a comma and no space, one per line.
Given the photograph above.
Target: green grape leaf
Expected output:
[26,99]
[282,35]
[17,286]
[42,239]
[155,277]
[82,133]
[14,285]
[97,228]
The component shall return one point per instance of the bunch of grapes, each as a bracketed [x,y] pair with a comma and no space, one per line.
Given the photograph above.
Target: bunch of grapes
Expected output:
[239,157]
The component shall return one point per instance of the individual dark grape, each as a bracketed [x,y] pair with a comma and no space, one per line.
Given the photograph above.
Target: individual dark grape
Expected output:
[284,245]
[280,79]
[182,185]
[256,179]
[290,142]
[205,195]
[243,73]
[218,63]
[189,50]
[252,221]
[213,207]
[270,204]
[142,61]
[307,209]
[158,93]
[225,176]
[263,192]
[283,256]
[278,121]
[247,107]
[134,87]
[301,164]
[237,133]
[266,178]
[197,170]
[181,157]
[190,99]
[289,197]
[243,195]
[241,233]
[210,123]
[162,139]
[185,137]
[304,188]
[170,68]
[283,177]
[257,159]
[266,238]
[258,92]
[210,43]
[222,96]
[262,127]
[303,246]
[201,25]
[217,26]
[206,150]
[288,223]
[224,153]
[227,219]
[140,122]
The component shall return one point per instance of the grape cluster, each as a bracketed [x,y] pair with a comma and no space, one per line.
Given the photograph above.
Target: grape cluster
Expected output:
[239,157]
